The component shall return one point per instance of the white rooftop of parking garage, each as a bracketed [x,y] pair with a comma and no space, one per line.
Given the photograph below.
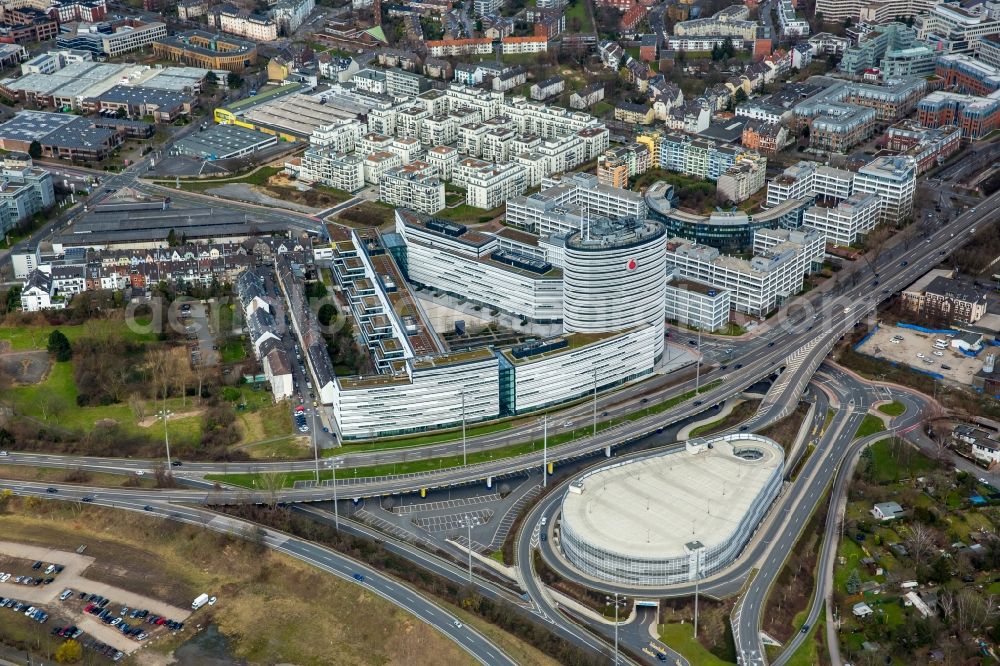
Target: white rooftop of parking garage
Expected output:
[652,507]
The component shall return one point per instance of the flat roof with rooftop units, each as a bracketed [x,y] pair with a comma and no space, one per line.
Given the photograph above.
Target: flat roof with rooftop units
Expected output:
[221,142]
[671,517]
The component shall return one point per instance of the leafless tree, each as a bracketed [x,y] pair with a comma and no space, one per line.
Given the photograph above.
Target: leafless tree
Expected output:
[946,600]
[919,542]
[875,245]
[138,407]
[272,483]
[51,404]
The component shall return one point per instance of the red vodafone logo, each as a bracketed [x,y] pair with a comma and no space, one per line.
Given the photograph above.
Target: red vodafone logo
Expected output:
[632,264]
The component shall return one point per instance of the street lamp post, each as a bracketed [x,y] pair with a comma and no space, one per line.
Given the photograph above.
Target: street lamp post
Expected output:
[595,402]
[315,442]
[468,526]
[166,414]
[465,460]
[334,464]
[618,604]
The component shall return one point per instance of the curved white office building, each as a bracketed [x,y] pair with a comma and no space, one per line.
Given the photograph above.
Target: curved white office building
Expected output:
[614,277]
[672,517]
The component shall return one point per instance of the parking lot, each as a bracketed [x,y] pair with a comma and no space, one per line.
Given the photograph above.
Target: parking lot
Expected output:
[48,586]
[951,364]
[201,342]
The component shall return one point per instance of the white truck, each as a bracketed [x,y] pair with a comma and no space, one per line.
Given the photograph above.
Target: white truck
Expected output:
[199,602]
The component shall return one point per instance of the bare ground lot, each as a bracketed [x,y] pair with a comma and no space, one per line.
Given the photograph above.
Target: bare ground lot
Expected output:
[25,367]
[961,367]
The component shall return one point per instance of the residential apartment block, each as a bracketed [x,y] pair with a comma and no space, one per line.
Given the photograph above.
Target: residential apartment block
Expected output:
[740,181]
[415,186]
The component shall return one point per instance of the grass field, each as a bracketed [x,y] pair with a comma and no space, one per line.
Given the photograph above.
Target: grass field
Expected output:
[233,350]
[26,338]
[469,214]
[36,401]
[273,609]
[579,11]
[894,408]
[869,426]
[680,637]
[62,475]
[258,177]
[891,459]
[808,652]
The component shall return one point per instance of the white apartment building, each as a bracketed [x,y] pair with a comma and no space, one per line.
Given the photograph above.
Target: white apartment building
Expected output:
[806,179]
[492,185]
[546,121]
[443,159]
[410,120]
[471,265]
[790,24]
[369,80]
[291,14]
[487,102]
[415,186]
[740,181]
[408,149]
[759,285]
[342,136]
[894,181]
[377,164]
[373,142]
[842,224]
[344,171]
[496,144]
[253,26]
[691,303]
[555,370]
[439,130]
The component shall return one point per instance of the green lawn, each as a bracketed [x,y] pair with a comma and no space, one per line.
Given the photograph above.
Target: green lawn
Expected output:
[26,338]
[431,438]
[894,408]
[465,213]
[808,652]
[35,401]
[410,467]
[602,108]
[680,637]
[889,458]
[233,350]
[871,425]
[579,11]
[258,177]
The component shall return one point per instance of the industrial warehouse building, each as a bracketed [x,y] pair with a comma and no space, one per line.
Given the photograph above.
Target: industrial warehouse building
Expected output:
[671,517]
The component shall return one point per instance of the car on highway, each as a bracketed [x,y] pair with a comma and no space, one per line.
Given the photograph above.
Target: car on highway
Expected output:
[3,453]
[51,490]
[458,625]
[358,577]
[147,508]
[88,498]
